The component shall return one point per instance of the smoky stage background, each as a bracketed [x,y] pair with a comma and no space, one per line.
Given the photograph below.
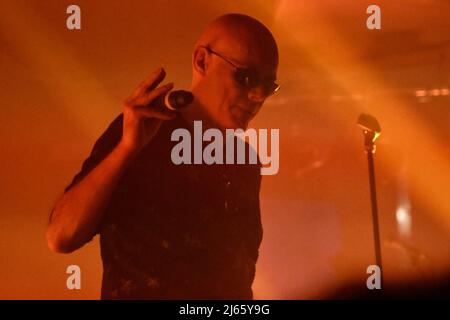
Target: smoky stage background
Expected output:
[61,88]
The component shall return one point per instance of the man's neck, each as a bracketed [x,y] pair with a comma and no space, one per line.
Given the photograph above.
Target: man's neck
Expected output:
[195,112]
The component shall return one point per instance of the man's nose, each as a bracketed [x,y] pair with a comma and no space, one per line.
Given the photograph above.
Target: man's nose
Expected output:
[257,94]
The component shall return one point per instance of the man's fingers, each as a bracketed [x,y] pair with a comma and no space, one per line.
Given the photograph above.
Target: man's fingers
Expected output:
[156,113]
[146,93]
[149,97]
[153,80]
[148,84]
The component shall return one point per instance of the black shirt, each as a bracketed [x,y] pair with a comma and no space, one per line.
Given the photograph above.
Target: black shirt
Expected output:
[177,231]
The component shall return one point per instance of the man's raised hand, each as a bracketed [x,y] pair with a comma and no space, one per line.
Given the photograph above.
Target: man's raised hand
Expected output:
[141,117]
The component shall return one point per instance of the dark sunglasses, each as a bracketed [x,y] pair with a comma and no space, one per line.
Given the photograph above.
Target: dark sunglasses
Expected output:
[248,77]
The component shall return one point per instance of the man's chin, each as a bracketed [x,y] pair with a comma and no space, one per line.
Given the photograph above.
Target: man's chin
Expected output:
[238,123]
[233,123]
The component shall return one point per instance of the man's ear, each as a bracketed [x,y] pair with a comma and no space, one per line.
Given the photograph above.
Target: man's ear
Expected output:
[200,60]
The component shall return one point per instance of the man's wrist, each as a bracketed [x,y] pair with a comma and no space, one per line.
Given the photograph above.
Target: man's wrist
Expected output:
[128,153]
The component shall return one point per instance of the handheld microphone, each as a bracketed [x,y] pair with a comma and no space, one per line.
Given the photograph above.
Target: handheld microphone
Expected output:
[176,99]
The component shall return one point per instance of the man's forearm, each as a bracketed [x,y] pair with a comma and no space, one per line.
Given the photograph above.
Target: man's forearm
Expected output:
[79,211]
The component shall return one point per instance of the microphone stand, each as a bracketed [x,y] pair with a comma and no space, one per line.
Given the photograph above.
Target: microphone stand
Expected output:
[370,148]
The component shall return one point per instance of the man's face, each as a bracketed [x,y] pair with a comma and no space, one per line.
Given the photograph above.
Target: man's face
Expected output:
[231,103]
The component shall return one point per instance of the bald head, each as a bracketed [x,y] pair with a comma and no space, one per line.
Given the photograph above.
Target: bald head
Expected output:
[241,36]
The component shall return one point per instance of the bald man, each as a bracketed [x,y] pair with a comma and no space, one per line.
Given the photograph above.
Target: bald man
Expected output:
[176,231]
